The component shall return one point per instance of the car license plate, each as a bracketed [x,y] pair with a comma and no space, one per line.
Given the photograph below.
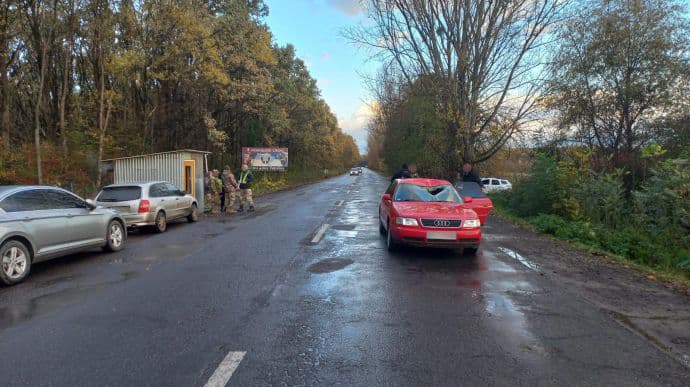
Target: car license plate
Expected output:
[441,235]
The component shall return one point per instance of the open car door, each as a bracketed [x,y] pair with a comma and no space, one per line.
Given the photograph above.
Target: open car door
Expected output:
[480,203]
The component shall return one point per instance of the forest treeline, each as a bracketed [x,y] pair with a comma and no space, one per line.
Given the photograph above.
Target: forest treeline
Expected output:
[610,76]
[85,80]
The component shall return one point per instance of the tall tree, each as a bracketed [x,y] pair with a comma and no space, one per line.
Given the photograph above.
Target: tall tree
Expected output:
[621,65]
[482,55]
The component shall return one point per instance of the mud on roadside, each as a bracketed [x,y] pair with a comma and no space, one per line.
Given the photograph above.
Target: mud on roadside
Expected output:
[649,308]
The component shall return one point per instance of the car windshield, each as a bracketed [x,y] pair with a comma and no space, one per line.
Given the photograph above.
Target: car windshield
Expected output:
[417,193]
[119,194]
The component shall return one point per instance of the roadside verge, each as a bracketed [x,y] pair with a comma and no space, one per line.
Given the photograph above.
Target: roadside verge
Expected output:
[655,310]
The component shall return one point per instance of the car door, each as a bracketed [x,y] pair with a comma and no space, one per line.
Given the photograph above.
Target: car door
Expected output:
[159,200]
[48,228]
[86,227]
[181,202]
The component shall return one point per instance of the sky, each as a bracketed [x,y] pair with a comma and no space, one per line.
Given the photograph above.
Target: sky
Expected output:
[315,28]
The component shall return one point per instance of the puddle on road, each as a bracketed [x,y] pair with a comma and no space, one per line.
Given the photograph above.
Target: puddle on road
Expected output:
[519,258]
[12,315]
[330,265]
[344,227]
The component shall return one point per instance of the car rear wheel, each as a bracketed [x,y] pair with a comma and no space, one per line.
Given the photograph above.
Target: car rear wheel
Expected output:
[15,262]
[161,222]
[194,215]
[471,250]
[115,238]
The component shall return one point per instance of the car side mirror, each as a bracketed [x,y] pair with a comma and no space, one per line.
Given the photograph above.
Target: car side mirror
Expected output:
[90,204]
[386,197]
[181,193]
[467,199]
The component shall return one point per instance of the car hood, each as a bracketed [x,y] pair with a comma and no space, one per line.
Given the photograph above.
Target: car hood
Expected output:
[433,210]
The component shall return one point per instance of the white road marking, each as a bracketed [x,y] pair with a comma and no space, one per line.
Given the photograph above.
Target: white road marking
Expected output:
[225,369]
[319,234]
[519,258]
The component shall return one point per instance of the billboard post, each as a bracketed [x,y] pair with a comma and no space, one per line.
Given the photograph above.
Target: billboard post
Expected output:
[266,159]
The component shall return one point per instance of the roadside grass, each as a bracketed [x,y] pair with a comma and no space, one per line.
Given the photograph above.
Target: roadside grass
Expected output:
[618,246]
[268,182]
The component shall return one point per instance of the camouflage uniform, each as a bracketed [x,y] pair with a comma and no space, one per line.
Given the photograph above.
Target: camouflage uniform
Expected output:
[229,187]
[245,182]
[216,186]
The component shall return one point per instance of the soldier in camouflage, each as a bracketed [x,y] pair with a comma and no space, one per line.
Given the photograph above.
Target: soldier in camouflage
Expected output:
[216,187]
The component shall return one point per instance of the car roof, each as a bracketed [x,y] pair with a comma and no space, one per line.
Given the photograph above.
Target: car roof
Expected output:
[135,183]
[424,182]
[6,190]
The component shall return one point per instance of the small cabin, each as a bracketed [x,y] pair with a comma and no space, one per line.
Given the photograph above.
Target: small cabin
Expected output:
[183,168]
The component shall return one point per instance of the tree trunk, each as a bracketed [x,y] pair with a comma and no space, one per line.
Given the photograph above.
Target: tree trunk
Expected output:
[37,114]
[64,93]
[5,122]
[103,116]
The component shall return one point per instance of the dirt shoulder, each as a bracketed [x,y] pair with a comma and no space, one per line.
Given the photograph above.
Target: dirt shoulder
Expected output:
[650,308]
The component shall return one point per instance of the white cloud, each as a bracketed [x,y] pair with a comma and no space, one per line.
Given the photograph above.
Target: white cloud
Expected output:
[356,124]
[349,7]
[326,57]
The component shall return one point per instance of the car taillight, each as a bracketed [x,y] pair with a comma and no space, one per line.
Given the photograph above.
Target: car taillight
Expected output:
[144,206]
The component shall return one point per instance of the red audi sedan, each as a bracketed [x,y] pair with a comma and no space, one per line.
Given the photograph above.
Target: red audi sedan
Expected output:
[428,213]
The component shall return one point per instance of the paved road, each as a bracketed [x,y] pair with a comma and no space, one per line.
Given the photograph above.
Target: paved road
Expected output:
[169,309]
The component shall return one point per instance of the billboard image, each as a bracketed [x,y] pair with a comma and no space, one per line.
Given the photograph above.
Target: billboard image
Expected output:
[266,159]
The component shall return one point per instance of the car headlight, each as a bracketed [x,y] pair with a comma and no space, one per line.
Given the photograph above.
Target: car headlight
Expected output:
[471,223]
[406,221]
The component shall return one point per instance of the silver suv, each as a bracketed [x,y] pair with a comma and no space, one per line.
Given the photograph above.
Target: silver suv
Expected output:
[149,204]
[38,223]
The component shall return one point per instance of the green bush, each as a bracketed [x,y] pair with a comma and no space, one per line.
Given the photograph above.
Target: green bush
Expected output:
[563,198]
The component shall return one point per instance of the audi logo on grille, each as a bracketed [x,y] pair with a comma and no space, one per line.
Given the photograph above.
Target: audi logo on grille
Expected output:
[441,223]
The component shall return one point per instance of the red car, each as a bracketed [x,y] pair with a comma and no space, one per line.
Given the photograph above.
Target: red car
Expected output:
[428,212]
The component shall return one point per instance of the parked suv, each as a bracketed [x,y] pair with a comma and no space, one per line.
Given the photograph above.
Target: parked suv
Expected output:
[149,204]
[494,184]
[38,223]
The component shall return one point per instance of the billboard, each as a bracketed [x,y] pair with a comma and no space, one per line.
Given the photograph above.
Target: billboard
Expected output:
[266,159]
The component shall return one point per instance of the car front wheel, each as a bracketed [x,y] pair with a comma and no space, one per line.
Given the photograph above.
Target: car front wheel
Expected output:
[115,238]
[15,262]
[193,215]
[391,243]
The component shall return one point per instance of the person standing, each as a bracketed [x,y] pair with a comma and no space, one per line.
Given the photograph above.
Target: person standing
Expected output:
[403,173]
[245,182]
[469,174]
[227,200]
[413,170]
[216,187]
[207,191]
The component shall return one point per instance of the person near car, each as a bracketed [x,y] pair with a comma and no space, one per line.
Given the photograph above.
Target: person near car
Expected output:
[470,174]
[245,182]
[413,170]
[207,191]
[227,199]
[403,173]
[216,187]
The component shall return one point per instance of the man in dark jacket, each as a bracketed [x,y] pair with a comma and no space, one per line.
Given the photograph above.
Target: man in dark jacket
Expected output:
[469,174]
[403,173]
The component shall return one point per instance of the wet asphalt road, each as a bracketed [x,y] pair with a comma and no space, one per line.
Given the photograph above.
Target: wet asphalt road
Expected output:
[168,309]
